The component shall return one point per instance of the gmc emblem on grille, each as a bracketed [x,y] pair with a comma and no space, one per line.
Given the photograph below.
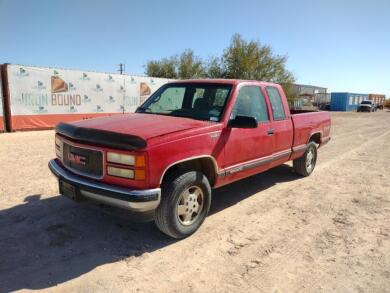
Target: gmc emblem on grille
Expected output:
[77,159]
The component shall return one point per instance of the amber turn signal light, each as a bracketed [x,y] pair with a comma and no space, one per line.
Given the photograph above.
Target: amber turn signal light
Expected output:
[139,161]
[139,174]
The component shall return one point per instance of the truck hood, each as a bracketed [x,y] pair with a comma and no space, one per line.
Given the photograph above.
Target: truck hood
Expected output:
[138,125]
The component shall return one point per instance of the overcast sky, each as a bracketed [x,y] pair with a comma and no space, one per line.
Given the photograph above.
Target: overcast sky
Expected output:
[343,45]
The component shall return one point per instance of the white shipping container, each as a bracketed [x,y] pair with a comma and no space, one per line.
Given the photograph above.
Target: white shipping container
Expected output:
[42,97]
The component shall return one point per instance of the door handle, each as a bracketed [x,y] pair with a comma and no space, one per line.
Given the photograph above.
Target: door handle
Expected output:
[270,131]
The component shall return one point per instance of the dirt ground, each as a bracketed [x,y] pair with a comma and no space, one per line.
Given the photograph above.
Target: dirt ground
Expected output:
[274,232]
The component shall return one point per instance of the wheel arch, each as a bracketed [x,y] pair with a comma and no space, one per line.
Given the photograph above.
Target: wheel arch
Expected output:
[204,163]
[316,137]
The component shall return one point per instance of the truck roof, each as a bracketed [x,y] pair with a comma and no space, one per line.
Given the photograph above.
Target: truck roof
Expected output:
[222,81]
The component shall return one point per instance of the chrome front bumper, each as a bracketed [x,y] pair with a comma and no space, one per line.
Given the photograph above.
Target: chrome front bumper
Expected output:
[134,200]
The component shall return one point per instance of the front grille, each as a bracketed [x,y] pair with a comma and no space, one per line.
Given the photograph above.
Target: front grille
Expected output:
[83,161]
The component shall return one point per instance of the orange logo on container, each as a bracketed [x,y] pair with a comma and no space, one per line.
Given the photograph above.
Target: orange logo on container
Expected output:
[144,89]
[58,85]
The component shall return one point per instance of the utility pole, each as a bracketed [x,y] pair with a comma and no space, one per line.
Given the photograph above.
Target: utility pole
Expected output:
[121,68]
[122,71]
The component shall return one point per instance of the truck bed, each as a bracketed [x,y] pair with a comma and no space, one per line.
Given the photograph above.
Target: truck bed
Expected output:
[306,123]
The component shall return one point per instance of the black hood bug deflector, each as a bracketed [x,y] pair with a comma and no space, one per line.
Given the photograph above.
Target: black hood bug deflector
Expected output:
[102,138]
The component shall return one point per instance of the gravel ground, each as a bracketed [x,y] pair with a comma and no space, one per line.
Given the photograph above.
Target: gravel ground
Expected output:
[274,232]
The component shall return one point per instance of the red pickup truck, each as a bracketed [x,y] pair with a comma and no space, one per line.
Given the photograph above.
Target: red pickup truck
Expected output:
[186,139]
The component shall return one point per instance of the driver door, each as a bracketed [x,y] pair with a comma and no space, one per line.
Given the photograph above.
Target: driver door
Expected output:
[249,150]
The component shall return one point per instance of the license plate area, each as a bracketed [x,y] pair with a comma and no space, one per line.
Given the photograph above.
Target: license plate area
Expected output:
[69,190]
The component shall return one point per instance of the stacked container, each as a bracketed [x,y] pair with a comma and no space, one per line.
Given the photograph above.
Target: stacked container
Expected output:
[346,101]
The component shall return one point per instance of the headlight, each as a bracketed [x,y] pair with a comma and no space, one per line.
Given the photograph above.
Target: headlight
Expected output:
[119,172]
[136,171]
[120,159]
[137,161]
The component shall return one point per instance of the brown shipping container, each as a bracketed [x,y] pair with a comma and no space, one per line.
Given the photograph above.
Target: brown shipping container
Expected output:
[378,99]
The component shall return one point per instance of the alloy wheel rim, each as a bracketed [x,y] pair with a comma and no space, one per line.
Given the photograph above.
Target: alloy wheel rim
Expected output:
[190,205]
[310,159]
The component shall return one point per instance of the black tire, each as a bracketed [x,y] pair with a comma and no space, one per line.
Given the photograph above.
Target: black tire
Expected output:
[300,165]
[166,215]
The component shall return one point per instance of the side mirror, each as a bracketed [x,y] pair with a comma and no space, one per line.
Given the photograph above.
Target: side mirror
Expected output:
[243,122]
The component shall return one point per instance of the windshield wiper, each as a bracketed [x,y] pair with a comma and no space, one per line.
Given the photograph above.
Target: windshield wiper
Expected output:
[143,110]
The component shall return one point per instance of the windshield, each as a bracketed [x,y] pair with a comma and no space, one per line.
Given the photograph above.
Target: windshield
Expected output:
[192,100]
[366,102]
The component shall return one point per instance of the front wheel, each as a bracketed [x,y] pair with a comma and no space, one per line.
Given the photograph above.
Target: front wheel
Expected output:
[305,164]
[185,203]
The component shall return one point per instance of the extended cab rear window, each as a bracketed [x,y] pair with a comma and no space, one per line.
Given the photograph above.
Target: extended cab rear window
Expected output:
[276,103]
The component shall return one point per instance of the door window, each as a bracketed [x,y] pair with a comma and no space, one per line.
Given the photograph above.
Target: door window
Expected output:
[250,102]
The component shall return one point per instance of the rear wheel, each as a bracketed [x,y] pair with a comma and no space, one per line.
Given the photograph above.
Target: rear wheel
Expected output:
[306,164]
[185,203]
